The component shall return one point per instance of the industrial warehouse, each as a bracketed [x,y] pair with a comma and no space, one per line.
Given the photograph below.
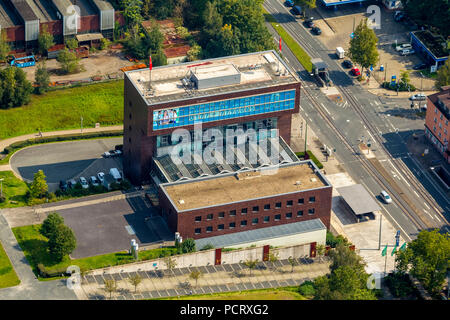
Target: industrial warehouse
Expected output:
[214,137]
[24,19]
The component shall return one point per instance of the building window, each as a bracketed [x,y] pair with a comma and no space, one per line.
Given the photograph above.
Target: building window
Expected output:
[255,221]
[243,223]
[244,211]
[278,205]
[266,219]
[209,216]
[289,215]
[289,203]
[198,230]
[209,229]
[255,209]
[311,211]
[267,207]
[312,199]
[129,140]
[220,227]
[232,225]
[301,201]
[129,128]
[221,214]
[130,116]
[277,217]
[198,218]
[232,213]
[300,213]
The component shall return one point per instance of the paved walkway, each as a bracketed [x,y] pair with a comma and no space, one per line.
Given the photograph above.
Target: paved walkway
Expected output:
[6,142]
[214,279]
[29,287]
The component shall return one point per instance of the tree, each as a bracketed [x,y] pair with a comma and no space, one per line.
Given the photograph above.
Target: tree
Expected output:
[188,245]
[434,13]
[292,262]
[15,89]
[404,76]
[194,53]
[72,43]
[62,242]
[426,258]
[135,280]
[39,185]
[45,40]
[250,264]
[273,257]
[311,4]
[110,287]
[443,75]
[195,275]
[159,58]
[132,12]
[68,61]
[50,224]
[170,262]
[363,46]
[42,78]
[4,46]
[320,251]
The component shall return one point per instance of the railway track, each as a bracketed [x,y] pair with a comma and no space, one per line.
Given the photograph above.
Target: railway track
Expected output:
[399,166]
[370,168]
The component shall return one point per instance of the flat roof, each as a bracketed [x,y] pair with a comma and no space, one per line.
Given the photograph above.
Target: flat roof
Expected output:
[359,200]
[432,43]
[244,185]
[259,234]
[24,9]
[256,71]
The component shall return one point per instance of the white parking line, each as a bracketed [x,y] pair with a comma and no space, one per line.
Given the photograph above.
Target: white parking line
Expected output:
[416,194]
[426,205]
[325,109]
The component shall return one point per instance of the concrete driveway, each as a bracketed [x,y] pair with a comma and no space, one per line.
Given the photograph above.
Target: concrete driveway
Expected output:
[62,160]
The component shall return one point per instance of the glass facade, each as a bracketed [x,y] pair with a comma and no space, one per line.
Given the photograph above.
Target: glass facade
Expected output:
[222,110]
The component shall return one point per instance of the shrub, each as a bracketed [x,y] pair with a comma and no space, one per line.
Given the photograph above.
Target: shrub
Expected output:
[311,156]
[49,272]
[125,184]
[2,198]
[307,289]
[400,86]
[333,241]
[399,284]
[207,247]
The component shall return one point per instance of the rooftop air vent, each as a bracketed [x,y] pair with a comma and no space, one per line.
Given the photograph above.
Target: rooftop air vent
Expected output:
[181,201]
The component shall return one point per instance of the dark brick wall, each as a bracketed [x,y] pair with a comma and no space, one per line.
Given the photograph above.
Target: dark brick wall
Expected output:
[89,24]
[185,222]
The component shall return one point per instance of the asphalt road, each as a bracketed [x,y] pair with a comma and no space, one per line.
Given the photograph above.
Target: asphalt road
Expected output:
[392,130]
[62,160]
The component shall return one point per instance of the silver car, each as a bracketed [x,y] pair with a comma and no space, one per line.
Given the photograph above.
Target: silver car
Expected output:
[101,177]
[418,97]
[84,183]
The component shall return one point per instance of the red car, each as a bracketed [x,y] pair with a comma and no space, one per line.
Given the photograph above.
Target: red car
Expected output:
[355,71]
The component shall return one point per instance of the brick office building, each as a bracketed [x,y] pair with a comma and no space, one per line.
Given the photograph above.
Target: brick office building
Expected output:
[437,128]
[253,96]
[247,200]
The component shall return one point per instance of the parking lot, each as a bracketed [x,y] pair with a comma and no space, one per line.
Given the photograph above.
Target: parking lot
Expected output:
[108,227]
[337,25]
[66,160]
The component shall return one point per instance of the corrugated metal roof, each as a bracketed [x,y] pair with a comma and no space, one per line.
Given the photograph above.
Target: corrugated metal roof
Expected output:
[359,200]
[261,234]
[62,6]
[24,10]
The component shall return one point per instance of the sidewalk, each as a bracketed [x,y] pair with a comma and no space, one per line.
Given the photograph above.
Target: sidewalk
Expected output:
[6,142]
[214,279]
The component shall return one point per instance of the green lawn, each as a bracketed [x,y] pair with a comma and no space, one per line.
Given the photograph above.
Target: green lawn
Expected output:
[34,246]
[8,276]
[286,293]
[298,51]
[14,189]
[61,109]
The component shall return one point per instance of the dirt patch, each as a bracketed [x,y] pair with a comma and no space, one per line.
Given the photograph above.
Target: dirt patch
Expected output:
[100,63]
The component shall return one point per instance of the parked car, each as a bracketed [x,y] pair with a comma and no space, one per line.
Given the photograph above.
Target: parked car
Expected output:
[112,153]
[84,183]
[63,185]
[347,64]
[309,22]
[296,10]
[403,46]
[118,152]
[355,71]
[94,181]
[407,52]
[420,66]
[289,3]
[399,16]
[114,172]
[101,177]
[71,183]
[418,97]
[386,198]
[106,154]
[316,30]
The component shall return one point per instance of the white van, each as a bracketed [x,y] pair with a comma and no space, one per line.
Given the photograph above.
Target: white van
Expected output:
[115,174]
[386,197]
[340,53]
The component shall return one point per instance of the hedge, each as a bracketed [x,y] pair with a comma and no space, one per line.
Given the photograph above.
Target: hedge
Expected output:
[22,144]
[316,161]
[400,86]
[50,273]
